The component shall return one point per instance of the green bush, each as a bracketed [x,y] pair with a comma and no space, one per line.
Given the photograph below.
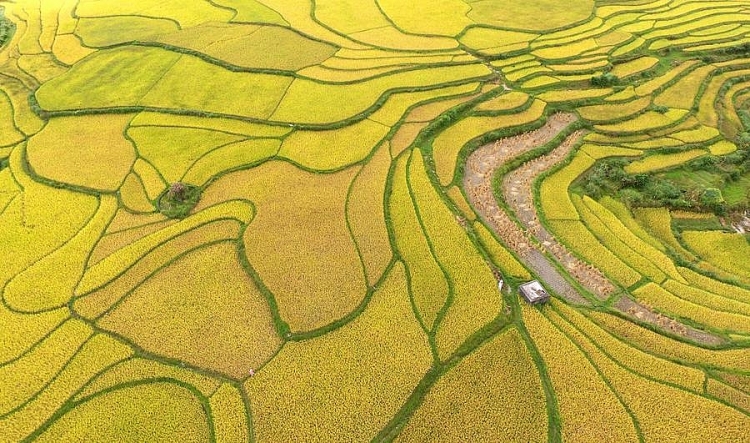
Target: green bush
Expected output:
[6,28]
[179,199]
[604,80]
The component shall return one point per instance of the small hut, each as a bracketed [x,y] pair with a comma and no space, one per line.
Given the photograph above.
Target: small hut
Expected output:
[534,292]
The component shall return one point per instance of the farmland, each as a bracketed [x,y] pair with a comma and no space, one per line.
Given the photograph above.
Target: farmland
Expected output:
[285,220]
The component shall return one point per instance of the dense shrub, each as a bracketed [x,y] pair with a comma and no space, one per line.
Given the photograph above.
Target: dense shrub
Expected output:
[604,80]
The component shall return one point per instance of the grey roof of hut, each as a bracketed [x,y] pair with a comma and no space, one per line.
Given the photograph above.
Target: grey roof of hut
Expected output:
[534,292]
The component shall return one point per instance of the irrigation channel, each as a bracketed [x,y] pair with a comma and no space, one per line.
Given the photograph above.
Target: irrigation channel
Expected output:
[528,238]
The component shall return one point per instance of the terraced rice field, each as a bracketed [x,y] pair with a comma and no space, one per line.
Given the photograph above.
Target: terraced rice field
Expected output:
[285,220]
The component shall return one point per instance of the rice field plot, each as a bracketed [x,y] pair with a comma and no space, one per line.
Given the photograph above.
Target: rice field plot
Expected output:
[328,278]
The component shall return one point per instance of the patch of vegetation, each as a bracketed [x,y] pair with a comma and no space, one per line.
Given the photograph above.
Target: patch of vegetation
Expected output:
[717,184]
[7,28]
[604,80]
[698,224]
[179,199]
[743,49]
[3,163]
[743,138]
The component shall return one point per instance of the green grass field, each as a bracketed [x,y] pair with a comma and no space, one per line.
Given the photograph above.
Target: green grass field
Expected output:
[248,221]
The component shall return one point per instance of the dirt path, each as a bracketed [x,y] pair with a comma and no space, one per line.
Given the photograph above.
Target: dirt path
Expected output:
[480,169]
[519,194]
[531,240]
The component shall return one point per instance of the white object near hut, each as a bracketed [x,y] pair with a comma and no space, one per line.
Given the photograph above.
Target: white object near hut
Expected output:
[500,285]
[534,292]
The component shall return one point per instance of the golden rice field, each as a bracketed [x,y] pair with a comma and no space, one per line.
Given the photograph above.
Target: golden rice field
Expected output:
[246,221]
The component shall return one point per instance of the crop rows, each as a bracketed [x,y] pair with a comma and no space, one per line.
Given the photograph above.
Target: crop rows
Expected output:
[336,276]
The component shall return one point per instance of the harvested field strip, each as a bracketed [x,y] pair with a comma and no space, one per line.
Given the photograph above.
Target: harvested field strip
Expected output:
[448,144]
[580,240]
